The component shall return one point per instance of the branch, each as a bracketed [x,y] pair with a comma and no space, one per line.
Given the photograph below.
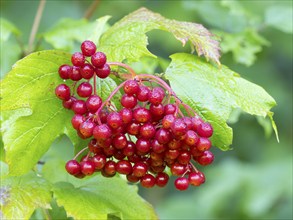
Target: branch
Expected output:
[36,25]
[89,12]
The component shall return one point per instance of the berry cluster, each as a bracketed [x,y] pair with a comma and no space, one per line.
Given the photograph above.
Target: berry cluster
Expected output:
[152,135]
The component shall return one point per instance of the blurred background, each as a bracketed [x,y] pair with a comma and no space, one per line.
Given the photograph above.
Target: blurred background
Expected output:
[252,181]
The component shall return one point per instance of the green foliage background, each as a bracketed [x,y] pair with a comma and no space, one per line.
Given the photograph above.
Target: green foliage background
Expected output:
[254,180]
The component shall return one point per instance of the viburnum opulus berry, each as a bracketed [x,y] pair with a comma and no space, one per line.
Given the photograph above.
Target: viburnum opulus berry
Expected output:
[147,139]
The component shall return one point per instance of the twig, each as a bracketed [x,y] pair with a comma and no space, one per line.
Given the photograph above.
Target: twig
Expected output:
[36,25]
[91,9]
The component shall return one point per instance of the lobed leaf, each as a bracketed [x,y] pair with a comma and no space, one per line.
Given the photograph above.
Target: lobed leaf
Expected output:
[214,92]
[127,40]
[20,196]
[99,197]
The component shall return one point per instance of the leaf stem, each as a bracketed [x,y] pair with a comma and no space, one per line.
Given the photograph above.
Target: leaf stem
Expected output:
[36,25]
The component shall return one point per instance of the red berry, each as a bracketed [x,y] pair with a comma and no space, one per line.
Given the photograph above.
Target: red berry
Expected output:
[126,115]
[139,169]
[184,157]
[128,101]
[131,87]
[157,110]
[143,146]
[143,93]
[133,128]
[68,103]
[64,71]
[148,181]
[205,130]
[179,128]
[98,59]
[79,107]
[77,59]
[203,144]
[157,147]
[114,120]
[86,128]
[141,115]
[206,158]
[147,131]
[196,178]
[75,74]
[87,71]
[156,96]
[170,109]
[62,91]
[88,48]
[93,103]
[130,149]
[102,132]
[77,120]
[110,168]
[162,179]
[124,167]
[178,169]
[84,89]
[163,136]
[103,72]
[73,167]
[181,183]
[99,160]
[119,141]
[87,167]
[191,138]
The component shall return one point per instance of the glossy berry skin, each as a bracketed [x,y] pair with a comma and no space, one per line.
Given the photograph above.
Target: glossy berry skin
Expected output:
[126,115]
[77,120]
[203,144]
[68,103]
[124,167]
[196,178]
[205,130]
[139,169]
[103,72]
[86,128]
[84,89]
[93,103]
[184,157]
[141,115]
[77,59]
[181,183]
[148,181]
[87,71]
[79,107]
[110,168]
[131,178]
[73,167]
[87,167]
[156,96]
[130,149]
[170,109]
[191,138]
[99,161]
[157,147]
[114,120]
[64,71]
[178,169]
[147,131]
[62,91]
[133,128]
[163,136]
[98,59]
[179,127]
[143,93]
[75,74]
[157,110]
[128,101]
[131,87]
[162,179]
[119,141]
[88,48]
[102,132]
[143,146]
[206,158]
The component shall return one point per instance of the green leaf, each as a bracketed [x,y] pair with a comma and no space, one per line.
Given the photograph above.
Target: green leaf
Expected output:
[67,31]
[20,196]
[243,45]
[280,17]
[99,197]
[214,92]
[31,85]
[7,28]
[127,40]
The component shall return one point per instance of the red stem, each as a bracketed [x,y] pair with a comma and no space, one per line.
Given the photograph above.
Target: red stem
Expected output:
[79,153]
